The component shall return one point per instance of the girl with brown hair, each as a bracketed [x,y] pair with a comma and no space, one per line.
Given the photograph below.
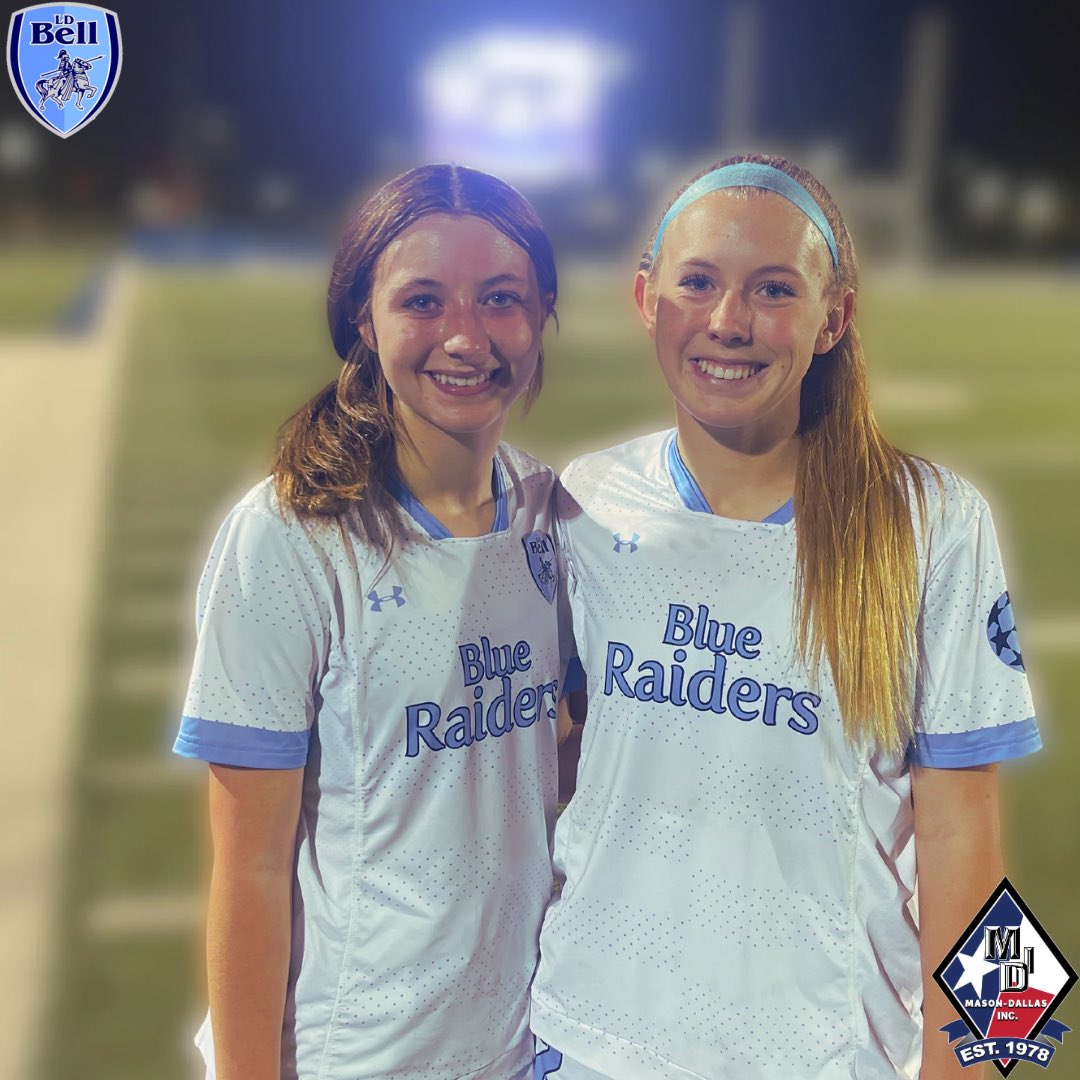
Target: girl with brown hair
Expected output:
[802,673]
[378,666]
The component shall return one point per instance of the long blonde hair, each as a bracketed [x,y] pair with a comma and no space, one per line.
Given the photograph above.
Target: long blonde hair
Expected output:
[337,451]
[857,590]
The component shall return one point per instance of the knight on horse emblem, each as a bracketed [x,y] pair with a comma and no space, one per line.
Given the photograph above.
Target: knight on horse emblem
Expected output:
[68,77]
[68,40]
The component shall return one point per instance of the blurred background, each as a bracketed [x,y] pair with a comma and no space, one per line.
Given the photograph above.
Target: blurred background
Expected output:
[162,281]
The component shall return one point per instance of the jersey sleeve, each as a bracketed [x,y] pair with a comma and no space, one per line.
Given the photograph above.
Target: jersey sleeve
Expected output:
[263,619]
[973,703]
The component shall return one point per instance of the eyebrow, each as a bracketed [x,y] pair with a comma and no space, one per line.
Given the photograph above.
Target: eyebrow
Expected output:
[705,264]
[487,283]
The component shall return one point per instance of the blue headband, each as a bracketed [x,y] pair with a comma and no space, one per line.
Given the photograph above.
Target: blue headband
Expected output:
[756,175]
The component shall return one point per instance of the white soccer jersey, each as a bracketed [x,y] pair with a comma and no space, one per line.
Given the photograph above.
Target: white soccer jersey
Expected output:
[422,702]
[738,878]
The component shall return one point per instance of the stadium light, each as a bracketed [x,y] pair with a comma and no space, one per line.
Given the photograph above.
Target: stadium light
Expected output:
[523,106]
[19,149]
[1039,209]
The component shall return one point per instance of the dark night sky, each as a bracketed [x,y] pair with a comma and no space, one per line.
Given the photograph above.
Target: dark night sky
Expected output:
[316,88]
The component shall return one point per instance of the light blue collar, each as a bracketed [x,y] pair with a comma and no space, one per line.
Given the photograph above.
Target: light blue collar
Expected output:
[431,524]
[694,499]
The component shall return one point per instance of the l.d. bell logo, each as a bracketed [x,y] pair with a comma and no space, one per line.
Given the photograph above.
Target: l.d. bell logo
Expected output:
[64,62]
[1005,978]
[540,556]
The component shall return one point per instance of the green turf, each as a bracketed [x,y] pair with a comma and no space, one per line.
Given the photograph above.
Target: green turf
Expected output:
[218,360]
[38,286]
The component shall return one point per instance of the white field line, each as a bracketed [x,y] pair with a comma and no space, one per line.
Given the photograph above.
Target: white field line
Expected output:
[150,772]
[1059,633]
[145,915]
[925,397]
[60,424]
[135,679]
[163,557]
[1056,453]
[147,610]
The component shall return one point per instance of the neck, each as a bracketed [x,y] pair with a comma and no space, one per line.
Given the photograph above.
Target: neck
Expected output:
[742,474]
[450,475]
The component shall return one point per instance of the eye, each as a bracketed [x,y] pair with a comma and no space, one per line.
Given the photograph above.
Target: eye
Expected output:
[777,290]
[695,282]
[422,304]
[502,299]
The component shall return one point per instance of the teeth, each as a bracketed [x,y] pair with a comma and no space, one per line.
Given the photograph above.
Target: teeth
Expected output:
[455,380]
[718,371]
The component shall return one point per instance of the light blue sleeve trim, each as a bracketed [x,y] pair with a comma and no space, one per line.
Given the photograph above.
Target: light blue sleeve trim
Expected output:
[235,744]
[958,750]
[574,679]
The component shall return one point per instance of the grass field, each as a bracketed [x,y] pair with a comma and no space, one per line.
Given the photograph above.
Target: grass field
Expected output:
[978,371]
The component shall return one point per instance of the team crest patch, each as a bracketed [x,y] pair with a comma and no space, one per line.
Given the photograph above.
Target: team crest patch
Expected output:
[543,565]
[1001,633]
[64,62]
[1005,977]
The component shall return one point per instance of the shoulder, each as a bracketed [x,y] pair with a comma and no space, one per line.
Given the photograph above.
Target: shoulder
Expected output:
[259,527]
[955,509]
[522,467]
[529,483]
[640,457]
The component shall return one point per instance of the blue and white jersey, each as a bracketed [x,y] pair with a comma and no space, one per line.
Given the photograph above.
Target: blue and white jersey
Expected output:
[420,698]
[738,878]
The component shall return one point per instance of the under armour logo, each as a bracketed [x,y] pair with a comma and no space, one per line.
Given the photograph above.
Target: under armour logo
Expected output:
[620,543]
[377,601]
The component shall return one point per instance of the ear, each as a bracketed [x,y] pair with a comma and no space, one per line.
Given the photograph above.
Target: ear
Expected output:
[547,309]
[836,322]
[645,298]
[367,332]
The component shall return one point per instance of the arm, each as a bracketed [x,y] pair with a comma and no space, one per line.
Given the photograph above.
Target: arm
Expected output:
[572,708]
[958,851]
[253,819]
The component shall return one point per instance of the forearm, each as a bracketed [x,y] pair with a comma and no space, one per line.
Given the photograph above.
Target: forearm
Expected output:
[945,909]
[247,946]
[253,820]
[958,848]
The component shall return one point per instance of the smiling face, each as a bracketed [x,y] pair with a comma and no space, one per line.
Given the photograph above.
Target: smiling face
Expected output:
[742,298]
[456,319]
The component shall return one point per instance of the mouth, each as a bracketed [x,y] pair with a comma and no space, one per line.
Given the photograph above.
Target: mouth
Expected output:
[463,384]
[727,371]
[444,379]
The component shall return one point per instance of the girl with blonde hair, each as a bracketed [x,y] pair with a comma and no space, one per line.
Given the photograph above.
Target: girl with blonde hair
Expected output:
[801,675]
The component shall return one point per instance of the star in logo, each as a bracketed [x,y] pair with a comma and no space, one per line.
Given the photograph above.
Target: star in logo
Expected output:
[1001,633]
[975,969]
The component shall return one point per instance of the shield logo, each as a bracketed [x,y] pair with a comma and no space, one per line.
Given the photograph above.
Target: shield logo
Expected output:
[543,563]
[1005,977]
[64,62]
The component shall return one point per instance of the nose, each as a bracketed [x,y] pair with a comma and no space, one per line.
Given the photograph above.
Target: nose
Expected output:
[731,318]
[466,336]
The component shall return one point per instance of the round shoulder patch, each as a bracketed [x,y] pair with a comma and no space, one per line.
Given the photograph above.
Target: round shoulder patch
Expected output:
[1001,633]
